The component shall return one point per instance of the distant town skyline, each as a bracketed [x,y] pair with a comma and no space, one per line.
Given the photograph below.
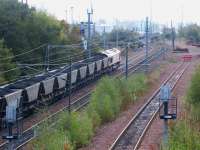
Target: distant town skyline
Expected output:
[161,11]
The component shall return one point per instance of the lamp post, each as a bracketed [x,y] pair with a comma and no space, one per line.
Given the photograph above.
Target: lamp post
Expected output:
[127,47]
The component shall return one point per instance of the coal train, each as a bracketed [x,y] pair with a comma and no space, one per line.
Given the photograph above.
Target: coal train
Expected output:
[27,94]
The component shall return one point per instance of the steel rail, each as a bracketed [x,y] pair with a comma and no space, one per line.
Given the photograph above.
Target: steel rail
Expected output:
[119,139]
[76,105]
[156,112]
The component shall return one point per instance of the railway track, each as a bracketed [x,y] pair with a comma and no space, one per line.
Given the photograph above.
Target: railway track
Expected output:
[29,134]
[133,133]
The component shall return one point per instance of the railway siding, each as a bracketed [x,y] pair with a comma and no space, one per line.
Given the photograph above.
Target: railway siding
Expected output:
[133,133]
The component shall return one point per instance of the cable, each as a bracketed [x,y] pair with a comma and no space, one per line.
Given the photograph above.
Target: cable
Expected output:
[32,65]
[64,58]
[64,46]
[67,67]
[9,70]
[11,57]
[79,55]
[51,54]
[39,58]
[18,78]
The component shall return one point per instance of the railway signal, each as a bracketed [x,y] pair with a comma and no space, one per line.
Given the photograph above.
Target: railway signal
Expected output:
[127,48]
[11,117]
[173,37]
[147,42]
[166,112]
[70,84]
[89,33]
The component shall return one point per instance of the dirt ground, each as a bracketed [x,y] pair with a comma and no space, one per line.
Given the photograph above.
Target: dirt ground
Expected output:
[107,134]
[153,137]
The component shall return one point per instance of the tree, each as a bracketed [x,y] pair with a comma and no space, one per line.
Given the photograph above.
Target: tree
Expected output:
[24,28]
[167,33]
[124,36]
[190,32]
[8,69]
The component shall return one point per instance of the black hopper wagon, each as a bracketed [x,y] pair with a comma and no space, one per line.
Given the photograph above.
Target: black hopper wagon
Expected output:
[43,89]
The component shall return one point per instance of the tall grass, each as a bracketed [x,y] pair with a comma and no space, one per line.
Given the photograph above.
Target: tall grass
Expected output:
[70,131]
[113,95]
[51,139]
[193,95]
[106,100]
[184,135]
[110,97]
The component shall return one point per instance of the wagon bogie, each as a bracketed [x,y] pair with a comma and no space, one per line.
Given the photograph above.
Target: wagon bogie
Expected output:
[47,88]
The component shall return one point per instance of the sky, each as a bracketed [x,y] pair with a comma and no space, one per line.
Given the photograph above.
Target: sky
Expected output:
[161,11]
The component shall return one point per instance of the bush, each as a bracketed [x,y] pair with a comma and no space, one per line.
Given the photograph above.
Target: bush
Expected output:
[113,95]
[190,32]
[184,134]
[51,140]
[110,96]
[193,95]
[92,113]
[80,129]
[183,137]
[106,100]
[133,87]
[70,131]
[137,84]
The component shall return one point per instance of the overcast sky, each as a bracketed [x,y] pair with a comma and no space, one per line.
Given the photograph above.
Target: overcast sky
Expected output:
[162,10]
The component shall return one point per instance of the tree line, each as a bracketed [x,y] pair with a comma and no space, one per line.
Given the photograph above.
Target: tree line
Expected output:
[23,28]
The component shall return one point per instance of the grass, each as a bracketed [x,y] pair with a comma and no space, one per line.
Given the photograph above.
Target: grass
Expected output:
[111,96]
[184,135]
[154,76]
[70,131]
[193,95]
[172,60]
[114,95]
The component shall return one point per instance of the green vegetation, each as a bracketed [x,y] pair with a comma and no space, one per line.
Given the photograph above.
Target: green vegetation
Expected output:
[167,33]
[23,28]
[6,63]
[190,32]
[80,129]
[184,135]
[124,36]
[106,100]
[193,96]
[73,131]
[48,141]
[113,95]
